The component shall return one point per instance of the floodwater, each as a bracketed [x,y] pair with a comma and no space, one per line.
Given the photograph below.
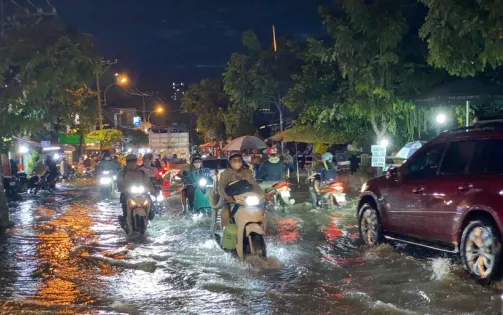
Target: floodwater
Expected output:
[67,255]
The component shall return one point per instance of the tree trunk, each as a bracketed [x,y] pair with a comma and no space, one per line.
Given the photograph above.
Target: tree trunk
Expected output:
[4,208]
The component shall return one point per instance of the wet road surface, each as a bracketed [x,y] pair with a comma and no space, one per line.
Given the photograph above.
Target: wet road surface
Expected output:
[67,255]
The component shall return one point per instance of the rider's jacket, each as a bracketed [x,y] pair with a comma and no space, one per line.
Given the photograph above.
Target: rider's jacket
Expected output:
[151,170]
[128,178]
[111,166]
[327,171]
[271,170]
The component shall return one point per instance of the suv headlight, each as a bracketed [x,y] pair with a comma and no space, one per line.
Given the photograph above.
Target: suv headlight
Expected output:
[252,201]
[203,182]
[364,187]
[137,189]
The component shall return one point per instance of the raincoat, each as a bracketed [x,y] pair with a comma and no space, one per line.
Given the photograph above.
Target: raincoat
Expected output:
[271,170]
[191,177]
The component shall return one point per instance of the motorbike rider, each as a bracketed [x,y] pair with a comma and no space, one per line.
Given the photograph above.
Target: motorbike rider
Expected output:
[271,170]
[53,169]
[147,165]
[236,170]
[190,178]
[327,171]
[107,164]
[131,175]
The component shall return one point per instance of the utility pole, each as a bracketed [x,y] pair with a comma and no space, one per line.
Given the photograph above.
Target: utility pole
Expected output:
[278,104]
[99,73]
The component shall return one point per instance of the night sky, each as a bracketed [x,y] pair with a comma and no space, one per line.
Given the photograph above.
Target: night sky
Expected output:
[184,40]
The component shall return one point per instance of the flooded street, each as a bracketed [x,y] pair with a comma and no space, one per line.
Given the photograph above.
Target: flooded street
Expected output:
[68,255]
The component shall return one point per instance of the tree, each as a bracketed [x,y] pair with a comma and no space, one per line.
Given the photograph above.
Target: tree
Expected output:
[43,66]
[107,136]
[259,78]
[208,101]
[137,137]
[464,37]
[379,55]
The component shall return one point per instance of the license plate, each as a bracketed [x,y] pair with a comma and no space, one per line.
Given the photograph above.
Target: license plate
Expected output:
[12,183]
[340,199]
[285,194]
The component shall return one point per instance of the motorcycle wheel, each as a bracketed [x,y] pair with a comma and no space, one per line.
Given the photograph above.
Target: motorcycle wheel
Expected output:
[143,224]
[258,244]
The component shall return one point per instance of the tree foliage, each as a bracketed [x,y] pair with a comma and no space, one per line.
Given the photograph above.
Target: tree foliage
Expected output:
[137,137]
[208,101]
[464,37]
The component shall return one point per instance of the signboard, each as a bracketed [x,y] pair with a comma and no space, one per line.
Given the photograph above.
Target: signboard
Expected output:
[45,144]
[136,121]
[378,155]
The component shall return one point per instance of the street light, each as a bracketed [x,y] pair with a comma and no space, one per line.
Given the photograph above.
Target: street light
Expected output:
[122,80]
[384,142]
[23,149]
[441,118]
[158,110]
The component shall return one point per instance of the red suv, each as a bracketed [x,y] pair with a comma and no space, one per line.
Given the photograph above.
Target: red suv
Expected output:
[447,196]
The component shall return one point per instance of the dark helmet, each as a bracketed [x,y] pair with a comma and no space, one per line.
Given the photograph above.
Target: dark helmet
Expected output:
[131,158]
[195,156]
[106,155]
[149,156]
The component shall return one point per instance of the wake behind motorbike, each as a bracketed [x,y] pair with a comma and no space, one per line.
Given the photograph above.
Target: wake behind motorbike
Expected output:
[245,235]
[46,183]
[138,211]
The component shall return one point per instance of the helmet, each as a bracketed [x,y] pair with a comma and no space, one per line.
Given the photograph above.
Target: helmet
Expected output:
[148,156]
[327,156]
[106,155]
[272,150]
[195,156]
[131,158]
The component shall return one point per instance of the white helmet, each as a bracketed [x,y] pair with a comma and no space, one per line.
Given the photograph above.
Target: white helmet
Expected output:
[327,156]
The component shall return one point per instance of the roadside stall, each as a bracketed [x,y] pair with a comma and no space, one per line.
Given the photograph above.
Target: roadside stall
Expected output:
[319,140]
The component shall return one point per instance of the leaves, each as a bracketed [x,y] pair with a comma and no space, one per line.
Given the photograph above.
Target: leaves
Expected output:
[107,136]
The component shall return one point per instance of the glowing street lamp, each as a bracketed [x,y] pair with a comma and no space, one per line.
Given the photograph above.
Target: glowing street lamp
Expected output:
[384,142]
[121,79]
[441,118]
[23,149]
[159,110]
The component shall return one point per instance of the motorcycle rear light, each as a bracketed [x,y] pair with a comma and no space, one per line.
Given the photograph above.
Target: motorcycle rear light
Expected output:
[160,173]
[338,187]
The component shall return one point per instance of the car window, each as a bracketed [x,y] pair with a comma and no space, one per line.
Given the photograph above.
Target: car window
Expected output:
[479,161]
[495,162]
[458,157]
[425,163]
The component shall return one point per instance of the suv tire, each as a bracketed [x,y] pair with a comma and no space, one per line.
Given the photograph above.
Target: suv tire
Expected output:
[369,225]
[480,251]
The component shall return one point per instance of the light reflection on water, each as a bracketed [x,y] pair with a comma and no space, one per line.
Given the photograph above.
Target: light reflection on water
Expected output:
[67,255]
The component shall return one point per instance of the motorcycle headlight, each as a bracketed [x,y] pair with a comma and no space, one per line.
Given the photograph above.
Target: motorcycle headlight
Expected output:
[137,189]
[115,177]
[145,203]
[203,182]
[160,198]
[252,201]
[105,180]
[106,172]
[132,203]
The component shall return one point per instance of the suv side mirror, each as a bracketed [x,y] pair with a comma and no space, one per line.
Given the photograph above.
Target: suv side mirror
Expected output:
[392,173]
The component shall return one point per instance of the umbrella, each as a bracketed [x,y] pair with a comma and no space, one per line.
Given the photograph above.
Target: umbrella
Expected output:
[303,135]
[245,143]
[409,149]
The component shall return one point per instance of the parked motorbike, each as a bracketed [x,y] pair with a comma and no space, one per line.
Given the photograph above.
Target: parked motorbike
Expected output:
[279,196]
[107,184]
[138,211]
[245,235]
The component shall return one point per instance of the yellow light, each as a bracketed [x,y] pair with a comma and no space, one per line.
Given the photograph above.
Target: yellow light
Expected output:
[159,109]
[123,79]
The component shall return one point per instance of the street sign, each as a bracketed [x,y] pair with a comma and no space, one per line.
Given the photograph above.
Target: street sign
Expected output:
[136,121]
[378,155]
[45,144]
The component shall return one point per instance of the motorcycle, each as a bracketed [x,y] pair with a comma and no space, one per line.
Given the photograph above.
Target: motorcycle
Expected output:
[331,194]
[138,211]
[41,183]
[245,235]
[107,184]
[280,195]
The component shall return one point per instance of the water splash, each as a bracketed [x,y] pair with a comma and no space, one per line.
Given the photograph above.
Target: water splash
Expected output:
[441,268]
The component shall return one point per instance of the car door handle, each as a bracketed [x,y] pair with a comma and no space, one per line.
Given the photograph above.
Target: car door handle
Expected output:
[418,190]
[469,186]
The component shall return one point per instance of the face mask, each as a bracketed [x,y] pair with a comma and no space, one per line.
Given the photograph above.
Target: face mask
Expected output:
[197,165]
[107,159]
[236,165]
[147,164]
[247,159]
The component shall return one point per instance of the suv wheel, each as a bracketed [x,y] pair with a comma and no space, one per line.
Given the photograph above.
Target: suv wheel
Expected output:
[369,225]
[480,250]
